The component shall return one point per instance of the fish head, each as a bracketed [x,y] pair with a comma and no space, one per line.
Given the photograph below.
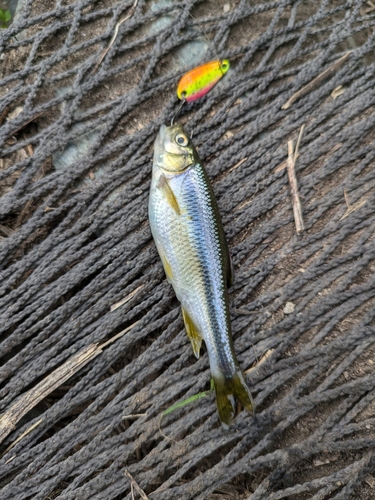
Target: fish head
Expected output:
[174,151]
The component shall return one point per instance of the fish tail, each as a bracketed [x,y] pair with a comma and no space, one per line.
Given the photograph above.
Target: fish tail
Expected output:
[228,390]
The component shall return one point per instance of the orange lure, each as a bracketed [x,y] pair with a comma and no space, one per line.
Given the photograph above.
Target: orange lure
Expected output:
[200,80]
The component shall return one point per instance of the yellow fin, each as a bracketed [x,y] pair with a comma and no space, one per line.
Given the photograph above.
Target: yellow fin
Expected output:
[164,186]
[192,332]
[228,390]
[167,268]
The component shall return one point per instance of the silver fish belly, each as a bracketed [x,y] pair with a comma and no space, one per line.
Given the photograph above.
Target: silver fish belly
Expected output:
[190,240]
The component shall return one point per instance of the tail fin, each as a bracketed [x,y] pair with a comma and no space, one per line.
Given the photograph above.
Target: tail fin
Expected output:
[228,390]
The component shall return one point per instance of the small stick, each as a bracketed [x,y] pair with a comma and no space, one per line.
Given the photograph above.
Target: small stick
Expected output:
[310,86]
[261,362]
[237,165]
[126,299]
[13,415]
[27,431]
[114,36]
[20,127]
[297,209]
[133,482]
[134,415]
[283,165]
[371,8]
[119,335]
[296,154]
[351,208]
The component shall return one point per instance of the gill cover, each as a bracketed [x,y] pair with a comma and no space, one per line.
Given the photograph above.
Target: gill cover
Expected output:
[174,151]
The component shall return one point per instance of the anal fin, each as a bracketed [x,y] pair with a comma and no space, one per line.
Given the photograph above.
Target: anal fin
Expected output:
[167,267]
[193,333]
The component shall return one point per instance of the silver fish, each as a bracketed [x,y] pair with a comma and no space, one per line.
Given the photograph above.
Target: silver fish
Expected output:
[189,236]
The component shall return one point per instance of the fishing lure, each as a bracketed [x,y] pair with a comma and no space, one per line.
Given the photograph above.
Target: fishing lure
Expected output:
[200,80]
[189,236]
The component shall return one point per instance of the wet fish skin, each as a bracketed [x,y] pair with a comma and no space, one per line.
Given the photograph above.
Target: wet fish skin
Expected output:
[189,236]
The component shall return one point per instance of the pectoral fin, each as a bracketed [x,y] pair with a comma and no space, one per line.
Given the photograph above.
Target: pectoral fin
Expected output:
[164,186]
[192,332]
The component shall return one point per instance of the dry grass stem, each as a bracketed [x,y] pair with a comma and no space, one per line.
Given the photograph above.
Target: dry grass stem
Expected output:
[261,362]
[135,415]
[162,433]
[351,208]
[237,165]
[114,36]
[135,485]
[9,419]
[13,415]
[6,230]
[110,341]
[126,299]
[371,8]
[284,164]
[314,83]
[296,154]
[30,120]
[297,208]
[335,148]
[27,431]
[337,92]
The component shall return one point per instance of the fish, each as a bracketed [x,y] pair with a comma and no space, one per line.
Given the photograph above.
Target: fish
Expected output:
[189,237]
[197,82]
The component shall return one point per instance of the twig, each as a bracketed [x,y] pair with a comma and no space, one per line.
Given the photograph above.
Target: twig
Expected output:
[297,209]
[369,9]
[119,335]
[114,36]
[134,483]
[337,92]
[27,431]
[283,165]
[351,208]
[126,299]
[162,433]
[237,165]
[310,86]
[20,127]
[261,362]
[134,415]
[6,230]
[13,415]
[132,491]
[296,154]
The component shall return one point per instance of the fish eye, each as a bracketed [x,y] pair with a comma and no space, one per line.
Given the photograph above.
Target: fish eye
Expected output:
[182,140]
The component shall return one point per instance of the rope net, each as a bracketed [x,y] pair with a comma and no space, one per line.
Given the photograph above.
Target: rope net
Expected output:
[83,93]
